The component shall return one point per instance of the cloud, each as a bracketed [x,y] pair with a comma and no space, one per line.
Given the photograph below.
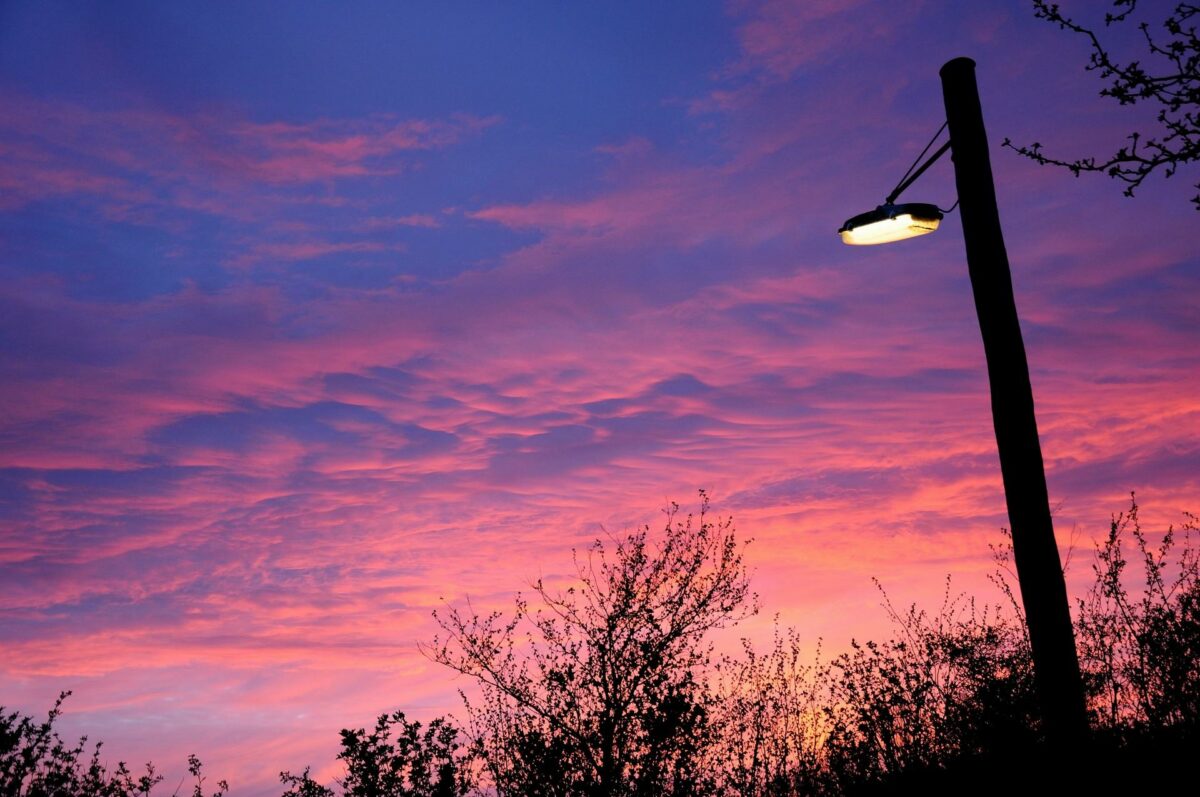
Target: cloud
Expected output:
[425,220]
[778,37]
[134,162]
[307,250]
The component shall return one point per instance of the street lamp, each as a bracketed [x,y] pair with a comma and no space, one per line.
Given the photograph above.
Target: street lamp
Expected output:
[889,222]
[1039,570]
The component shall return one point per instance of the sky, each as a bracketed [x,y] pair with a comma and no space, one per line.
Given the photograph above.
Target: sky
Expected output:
[317,316]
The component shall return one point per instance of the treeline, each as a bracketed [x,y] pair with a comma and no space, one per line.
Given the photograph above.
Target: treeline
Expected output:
[611,687]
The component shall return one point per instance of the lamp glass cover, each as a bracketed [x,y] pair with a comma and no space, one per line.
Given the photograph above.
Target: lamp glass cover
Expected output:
[888,223]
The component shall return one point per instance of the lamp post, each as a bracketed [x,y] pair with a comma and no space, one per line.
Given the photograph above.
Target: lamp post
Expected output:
[1039,570]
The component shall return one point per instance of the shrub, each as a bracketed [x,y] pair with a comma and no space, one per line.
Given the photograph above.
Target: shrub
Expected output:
[600,689]
[36,762]
[413,763]
[1139,646]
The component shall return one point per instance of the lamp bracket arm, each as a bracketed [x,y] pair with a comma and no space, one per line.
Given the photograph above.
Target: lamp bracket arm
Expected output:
[912,178]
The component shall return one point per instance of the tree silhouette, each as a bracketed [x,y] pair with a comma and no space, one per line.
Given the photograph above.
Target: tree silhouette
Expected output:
[36,762]
[599,689]
[611,687]
[1173,85]
[948,686]
[410,763]
[1141,649]
[772,719]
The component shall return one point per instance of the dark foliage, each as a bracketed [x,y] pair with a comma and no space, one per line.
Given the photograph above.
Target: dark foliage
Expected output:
[600,689]
[36,762]
[412,763]
[948,686]
[948,703]
[1172,84]
[772,719]
[611,687]
[303,785]
[1140,650]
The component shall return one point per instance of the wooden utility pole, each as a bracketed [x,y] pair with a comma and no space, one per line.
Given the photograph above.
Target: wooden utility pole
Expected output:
[1039,570]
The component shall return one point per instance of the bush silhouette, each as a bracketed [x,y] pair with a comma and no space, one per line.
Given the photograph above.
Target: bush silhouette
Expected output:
[1140,649]
[600,689]
[610,687]
[36,762]
[949,702]
[412,763]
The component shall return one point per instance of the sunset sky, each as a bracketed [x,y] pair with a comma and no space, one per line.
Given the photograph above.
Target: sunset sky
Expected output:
[315,315]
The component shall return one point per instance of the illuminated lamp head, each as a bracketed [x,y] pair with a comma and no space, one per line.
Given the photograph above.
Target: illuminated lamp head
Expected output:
[889,222]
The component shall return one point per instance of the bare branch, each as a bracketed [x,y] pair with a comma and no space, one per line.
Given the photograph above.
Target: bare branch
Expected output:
[1175,87]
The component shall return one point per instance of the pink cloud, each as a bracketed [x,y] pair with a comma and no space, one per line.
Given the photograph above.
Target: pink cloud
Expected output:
[286,153]
[307,250]
[636,146]
[134,157]
[777,37]
[423,220]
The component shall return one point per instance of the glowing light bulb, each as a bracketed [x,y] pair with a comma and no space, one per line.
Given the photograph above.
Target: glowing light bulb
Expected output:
[888,223]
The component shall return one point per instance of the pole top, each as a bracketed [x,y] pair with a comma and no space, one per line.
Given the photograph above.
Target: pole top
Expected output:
[960,64]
